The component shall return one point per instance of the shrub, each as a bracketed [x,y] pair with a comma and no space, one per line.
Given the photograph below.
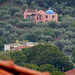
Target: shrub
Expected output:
[24,7]
[31,37]
[18,15]
[6,16]
[13,10]
[11,21]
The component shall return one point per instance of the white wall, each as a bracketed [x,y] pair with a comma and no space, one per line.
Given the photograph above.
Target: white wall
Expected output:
[6,47]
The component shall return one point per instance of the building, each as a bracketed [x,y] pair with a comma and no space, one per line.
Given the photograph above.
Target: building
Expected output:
[18,46]
[41,16]
[9,47]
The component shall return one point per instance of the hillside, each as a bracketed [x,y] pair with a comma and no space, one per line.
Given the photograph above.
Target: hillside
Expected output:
[60,6]
[13,26]
[58,37]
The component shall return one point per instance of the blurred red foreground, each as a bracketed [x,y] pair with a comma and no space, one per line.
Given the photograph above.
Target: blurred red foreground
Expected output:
[9,68]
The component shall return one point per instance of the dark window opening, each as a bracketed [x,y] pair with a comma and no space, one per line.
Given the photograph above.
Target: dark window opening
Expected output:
[46,16]
[32,17]
[37,18]
[53,16]
[28,17]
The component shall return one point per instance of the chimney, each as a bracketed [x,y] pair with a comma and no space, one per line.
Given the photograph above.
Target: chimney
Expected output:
[26,10]
[36,10]
[16,41]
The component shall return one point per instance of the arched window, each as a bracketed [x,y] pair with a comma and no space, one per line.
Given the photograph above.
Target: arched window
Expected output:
[46,16]
[37,18]
[53,17]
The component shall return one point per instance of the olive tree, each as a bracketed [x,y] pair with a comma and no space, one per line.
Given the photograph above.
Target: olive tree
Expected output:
[24,7]
[18,14]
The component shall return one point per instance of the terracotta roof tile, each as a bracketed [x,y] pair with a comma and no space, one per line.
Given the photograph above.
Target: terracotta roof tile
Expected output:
[20,47]
[70,72]
[9,68]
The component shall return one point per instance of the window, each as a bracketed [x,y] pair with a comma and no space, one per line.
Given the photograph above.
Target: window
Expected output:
[46,16]
[32,17]
[28,17]
[37,18]
[11,47]
[53,16]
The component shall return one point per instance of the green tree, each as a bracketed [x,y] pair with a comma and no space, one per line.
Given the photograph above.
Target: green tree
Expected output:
[34,51]
[23,1]
[13,10]
[32,66]
[2,42]
[73,55]
[1,1]
[12,37]
[9,26]
[47,67]
[5,56]
[57,33]
[52,24]
[64,24]
[68,48]
[6,16]
[57,73]
[48,54]
[30,24]
[18,14]
[2,31]
[49,32]
[31,37]
[60,17]
[1,45]
[2,24]
[22,24]
[48,38]
[61,43]
[33,3]
[56,59]
[24,7]
[19,31]
[18,57]
[11,21]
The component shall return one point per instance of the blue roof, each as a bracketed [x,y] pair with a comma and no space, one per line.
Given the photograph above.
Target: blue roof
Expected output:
[49,11]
